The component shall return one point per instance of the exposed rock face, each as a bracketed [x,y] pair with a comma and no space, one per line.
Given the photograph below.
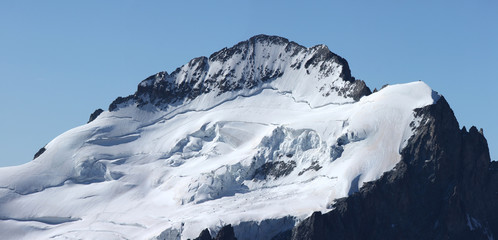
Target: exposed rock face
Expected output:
[444,187]
[247,65]
[205,235]
[40,152]
[95,114]
[225,233]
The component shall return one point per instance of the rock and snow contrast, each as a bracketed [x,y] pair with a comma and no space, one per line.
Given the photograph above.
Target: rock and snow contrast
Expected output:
[258,136]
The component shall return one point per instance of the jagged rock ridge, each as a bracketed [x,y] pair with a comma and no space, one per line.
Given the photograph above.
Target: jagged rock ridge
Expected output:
[247,65]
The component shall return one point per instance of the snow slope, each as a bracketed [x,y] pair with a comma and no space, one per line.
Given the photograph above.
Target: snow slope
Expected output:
[260,157]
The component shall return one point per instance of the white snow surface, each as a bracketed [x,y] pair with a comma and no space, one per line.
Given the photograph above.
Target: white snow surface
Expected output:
[261,157]
[145,174]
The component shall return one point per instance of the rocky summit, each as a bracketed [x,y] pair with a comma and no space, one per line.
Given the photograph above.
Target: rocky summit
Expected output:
[267,139]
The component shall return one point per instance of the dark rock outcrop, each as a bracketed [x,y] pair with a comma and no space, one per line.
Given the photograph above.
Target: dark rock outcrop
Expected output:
[444,187]
[226,233]
[40,152]
[205,235]
[274,169]
[359,89]
[284,235]
[95,114]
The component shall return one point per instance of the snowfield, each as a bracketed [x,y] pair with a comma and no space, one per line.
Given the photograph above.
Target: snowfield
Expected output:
[260,159]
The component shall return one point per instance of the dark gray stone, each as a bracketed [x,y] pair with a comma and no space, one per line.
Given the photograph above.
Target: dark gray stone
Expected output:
[205,235]
[274,169]
[95,114]
[226,233]
[285,235]
[40,152]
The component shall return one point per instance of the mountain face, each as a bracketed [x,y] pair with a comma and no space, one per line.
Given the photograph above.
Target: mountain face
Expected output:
[261,62]
[444,187]
[264,140]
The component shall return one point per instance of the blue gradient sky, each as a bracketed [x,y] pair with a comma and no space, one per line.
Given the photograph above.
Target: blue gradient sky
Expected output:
[61,60]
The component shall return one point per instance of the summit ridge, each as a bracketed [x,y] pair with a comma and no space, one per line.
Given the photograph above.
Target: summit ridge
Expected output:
[258,62]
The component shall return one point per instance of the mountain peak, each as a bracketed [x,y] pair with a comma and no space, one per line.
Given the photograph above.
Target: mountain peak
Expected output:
[261,39]
[269,38]
[262,61]
[247,144]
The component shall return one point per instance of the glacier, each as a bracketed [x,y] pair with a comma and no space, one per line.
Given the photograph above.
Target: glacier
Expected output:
[258,136]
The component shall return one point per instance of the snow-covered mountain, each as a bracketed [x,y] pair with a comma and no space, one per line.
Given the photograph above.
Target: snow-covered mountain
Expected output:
[257,136]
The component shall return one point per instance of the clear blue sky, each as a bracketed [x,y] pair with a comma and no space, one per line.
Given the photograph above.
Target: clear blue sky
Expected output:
[61,60]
